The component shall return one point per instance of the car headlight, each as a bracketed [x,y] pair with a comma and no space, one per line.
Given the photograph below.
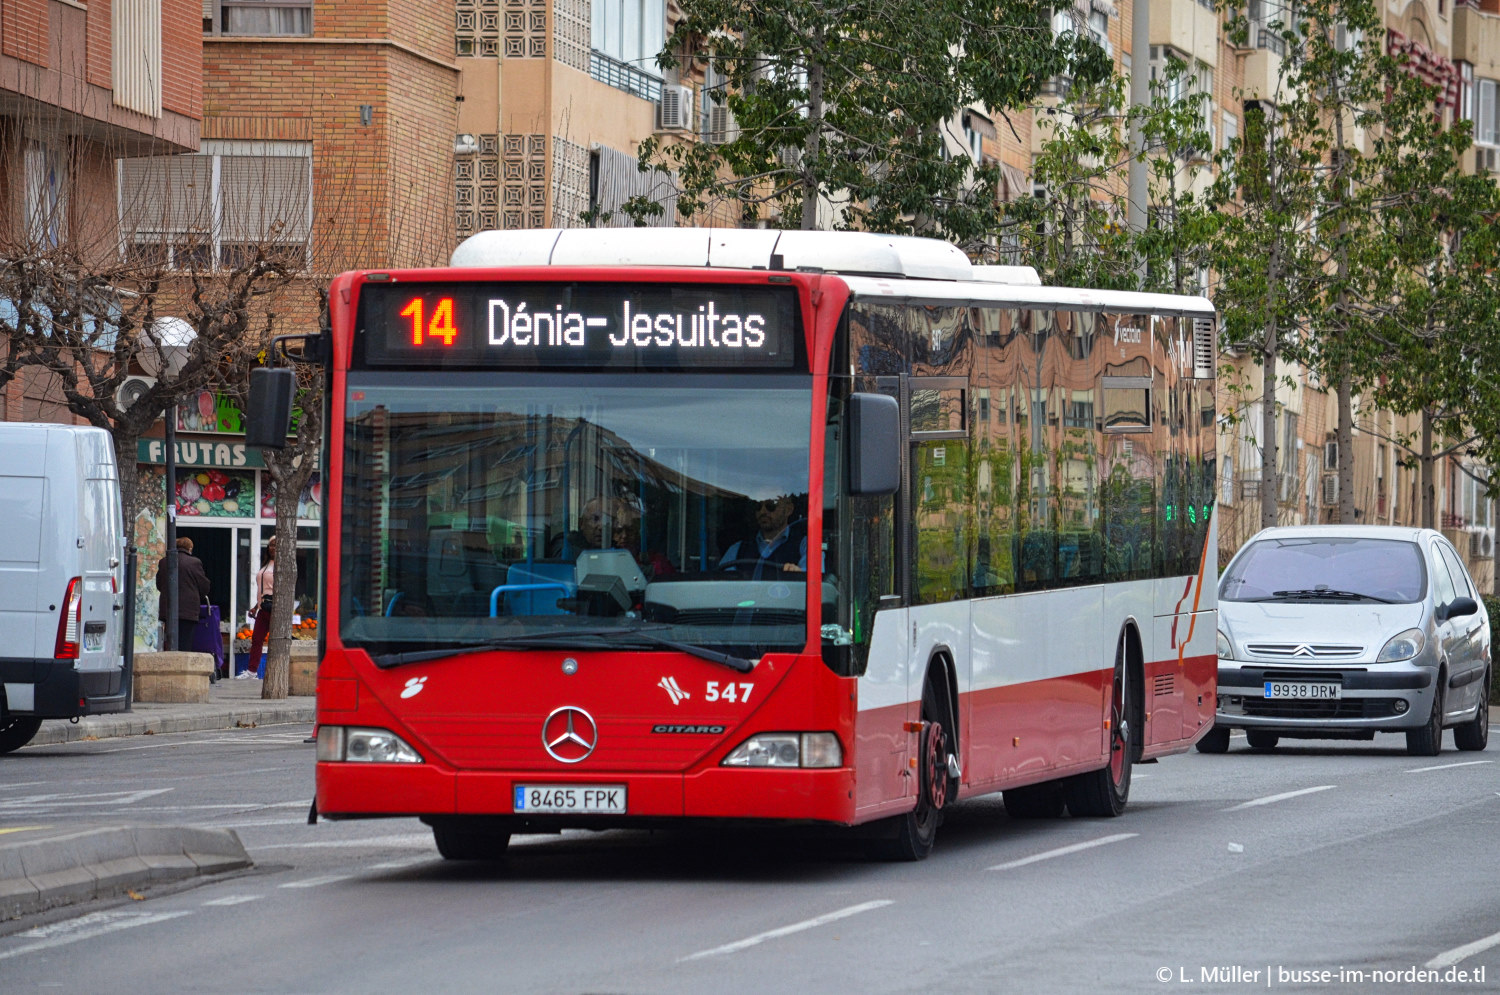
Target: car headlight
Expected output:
[787,749]
[1226,650]
[353,744]
[1402,646]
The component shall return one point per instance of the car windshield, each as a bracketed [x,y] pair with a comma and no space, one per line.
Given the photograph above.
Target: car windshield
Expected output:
[478,511]
[1325,568]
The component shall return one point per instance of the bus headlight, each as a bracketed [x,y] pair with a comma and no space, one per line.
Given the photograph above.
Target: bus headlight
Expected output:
[353,744]
[787,749]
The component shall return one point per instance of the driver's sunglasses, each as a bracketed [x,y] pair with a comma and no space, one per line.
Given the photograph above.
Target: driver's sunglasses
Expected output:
[770,505]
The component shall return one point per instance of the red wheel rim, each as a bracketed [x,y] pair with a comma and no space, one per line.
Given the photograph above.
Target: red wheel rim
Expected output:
[937,767]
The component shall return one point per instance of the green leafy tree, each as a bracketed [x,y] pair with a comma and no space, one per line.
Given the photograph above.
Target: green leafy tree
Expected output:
[846,102]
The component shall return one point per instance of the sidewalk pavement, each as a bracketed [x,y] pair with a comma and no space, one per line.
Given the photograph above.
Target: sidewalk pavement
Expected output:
[231,704]
[46,866]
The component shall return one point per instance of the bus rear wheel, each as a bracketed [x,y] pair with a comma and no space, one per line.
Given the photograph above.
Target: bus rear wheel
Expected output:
[1105,792]
[17,732]
[915,831]
[460,839]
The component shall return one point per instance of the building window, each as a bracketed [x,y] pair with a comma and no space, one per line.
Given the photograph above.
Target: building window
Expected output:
[218,208]
[1487,112]
[630,31]
[263,18]
[46,195]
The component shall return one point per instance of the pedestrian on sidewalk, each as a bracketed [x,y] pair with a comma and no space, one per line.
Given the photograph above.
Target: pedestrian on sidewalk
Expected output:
[265,581]
[192,591]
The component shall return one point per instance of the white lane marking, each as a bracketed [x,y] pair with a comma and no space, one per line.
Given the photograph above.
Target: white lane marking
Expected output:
[252,823]
[795,927]
[1450,957]
[318,881]
[232,900]
[396,865]
[404,840]
[83,801]
[86,928]
[1466,763]
[1278,798]
[1062,851]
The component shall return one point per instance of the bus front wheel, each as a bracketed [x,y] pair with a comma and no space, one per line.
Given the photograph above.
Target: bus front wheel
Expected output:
[459,839]
[914,832]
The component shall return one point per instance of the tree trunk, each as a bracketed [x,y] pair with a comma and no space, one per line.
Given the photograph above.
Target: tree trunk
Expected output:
[1269,492]
[812,146]
[289,485]
[1429,488]
[1345,436]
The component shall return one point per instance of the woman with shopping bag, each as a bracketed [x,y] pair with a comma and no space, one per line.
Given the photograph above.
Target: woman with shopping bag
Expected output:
[265,582]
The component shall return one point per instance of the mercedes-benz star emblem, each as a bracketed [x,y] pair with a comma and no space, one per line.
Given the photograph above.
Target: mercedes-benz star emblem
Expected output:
[570,734]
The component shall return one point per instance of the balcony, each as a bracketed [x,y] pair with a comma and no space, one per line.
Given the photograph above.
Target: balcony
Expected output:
[1476,33]
[1263,70]
[624,76]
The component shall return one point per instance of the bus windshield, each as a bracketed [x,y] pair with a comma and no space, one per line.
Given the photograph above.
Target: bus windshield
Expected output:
[484,509]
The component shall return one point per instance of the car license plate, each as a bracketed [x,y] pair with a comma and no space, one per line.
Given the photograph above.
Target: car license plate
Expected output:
[1302,689]
[93,638]
[584,798]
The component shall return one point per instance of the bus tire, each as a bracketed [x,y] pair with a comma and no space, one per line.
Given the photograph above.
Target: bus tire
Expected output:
[17,731]
[1036,801]
[456,839]
[1216,740]
[912,834]
[1105,792]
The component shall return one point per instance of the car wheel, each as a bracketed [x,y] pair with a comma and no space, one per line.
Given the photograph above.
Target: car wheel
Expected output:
[456,840]
[17,732]
[1428,740]
[1259,739]
[1475,734]
[1035,801]
[1216,740]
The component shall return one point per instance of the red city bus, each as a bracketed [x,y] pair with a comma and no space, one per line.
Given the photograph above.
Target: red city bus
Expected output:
[629,527]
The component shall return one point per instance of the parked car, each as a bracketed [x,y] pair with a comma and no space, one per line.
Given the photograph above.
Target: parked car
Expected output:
[62,538]
[1340,632]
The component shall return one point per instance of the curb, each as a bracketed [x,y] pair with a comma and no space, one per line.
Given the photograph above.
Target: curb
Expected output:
[57,731]
[40,874]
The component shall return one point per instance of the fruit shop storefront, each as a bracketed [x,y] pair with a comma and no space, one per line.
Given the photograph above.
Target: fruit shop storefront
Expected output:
[226,504]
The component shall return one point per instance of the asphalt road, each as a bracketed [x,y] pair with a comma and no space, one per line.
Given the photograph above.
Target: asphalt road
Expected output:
[1231,872]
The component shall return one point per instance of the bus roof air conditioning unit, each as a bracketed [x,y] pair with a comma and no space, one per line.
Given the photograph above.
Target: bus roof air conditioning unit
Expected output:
[1330,489]
[675,111]
[130,391]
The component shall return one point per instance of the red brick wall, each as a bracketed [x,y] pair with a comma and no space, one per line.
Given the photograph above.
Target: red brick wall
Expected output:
[99,49]
[23,30]
[182,56]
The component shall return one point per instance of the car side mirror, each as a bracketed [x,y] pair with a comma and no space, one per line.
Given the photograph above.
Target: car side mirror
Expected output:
[1459,607]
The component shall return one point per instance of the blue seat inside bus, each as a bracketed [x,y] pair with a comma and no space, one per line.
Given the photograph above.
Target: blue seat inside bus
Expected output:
[552,581]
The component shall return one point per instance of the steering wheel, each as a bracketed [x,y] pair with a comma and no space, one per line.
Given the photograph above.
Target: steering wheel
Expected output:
[749,563]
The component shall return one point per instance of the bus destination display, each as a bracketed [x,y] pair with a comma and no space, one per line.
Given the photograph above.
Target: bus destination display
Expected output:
[612,326]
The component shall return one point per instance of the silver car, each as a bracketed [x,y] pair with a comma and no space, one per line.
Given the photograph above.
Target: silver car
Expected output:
[1340,632]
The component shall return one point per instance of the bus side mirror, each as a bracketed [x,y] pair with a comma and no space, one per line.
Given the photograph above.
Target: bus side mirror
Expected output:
[874,444]
[269,414]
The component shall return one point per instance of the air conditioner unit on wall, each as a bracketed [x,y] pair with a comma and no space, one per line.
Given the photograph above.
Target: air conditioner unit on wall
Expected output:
[1482,544]
[721,126]
[1330,489]
[1487,158]
[675,110]
[131,389]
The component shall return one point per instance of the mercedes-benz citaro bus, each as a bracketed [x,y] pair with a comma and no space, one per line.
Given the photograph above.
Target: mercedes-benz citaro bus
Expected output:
[631,527]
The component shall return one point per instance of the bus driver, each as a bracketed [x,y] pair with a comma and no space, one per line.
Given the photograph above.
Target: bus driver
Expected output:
[778,542]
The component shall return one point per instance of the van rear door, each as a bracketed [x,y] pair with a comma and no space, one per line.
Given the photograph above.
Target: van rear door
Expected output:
[100,542]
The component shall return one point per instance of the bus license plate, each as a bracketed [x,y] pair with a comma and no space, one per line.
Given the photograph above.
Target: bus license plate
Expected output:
[584,798]
[1302,689]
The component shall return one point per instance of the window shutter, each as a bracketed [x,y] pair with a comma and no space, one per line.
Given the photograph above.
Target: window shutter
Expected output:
[265,198]
[166,194]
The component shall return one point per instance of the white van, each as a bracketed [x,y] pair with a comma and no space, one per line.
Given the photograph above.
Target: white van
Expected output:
[62,583]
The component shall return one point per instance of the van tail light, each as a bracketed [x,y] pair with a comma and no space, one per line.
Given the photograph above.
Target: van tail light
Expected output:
[71,624]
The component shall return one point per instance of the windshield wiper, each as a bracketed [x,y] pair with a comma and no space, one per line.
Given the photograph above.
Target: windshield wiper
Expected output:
[1323,592]
[599,637]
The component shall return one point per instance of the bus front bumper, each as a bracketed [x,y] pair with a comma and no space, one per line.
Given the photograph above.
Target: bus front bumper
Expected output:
[370,790]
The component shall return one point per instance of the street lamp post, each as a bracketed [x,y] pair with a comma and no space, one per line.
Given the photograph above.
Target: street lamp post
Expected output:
[171,339]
